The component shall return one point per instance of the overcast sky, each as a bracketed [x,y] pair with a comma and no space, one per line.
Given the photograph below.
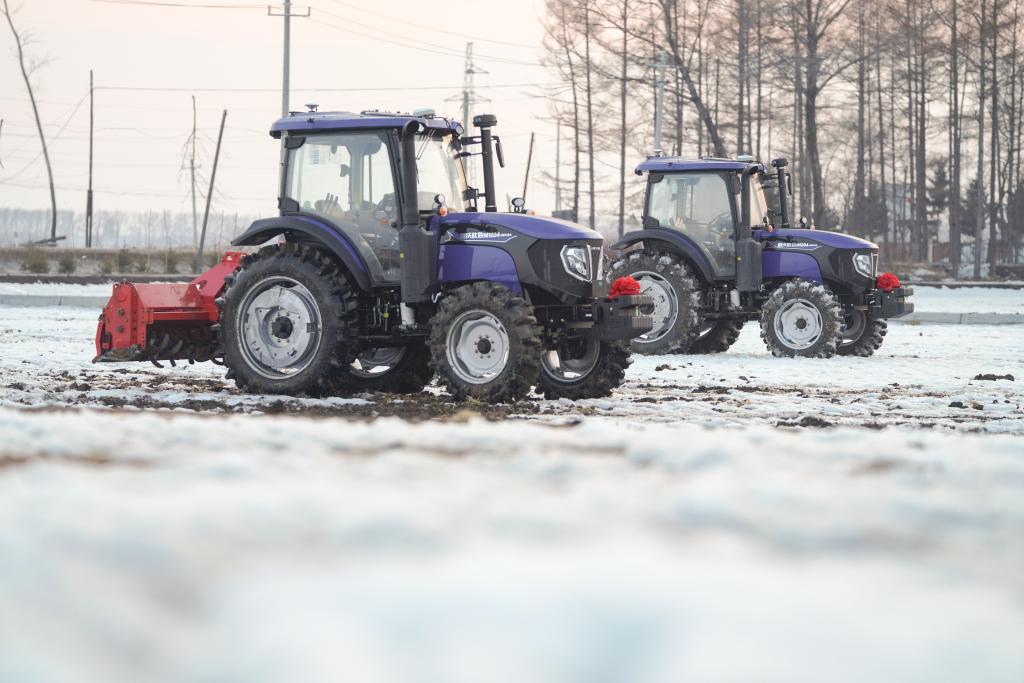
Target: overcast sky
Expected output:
[177,52]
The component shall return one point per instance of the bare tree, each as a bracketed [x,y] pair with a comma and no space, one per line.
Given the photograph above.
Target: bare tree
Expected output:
[26,73]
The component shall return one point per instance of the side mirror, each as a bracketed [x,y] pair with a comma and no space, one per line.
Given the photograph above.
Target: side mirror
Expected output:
[499,151]
[344,170]
[439,199]
[518,204]
[803,222]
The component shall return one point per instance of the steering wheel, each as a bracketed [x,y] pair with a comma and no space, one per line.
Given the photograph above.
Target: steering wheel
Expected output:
[721,224]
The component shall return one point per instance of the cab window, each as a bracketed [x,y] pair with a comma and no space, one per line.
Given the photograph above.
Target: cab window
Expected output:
[699,205]
[347,178]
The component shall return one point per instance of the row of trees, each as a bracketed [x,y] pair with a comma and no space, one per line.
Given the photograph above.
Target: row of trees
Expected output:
[901,116]
[118,229]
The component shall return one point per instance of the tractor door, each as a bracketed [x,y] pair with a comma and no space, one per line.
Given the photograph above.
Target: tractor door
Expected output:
[347,179]
[700,205]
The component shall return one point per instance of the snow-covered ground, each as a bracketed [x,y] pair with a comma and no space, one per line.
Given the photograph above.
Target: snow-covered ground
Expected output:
[967,300]
[734,517]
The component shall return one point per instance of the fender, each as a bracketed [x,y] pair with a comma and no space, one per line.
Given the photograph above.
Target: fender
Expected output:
[675,242]
[318,230]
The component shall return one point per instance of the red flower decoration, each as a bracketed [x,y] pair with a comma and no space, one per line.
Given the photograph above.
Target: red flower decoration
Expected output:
[624,286]
[888,282]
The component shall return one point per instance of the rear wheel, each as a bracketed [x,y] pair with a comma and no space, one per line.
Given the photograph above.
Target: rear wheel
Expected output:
[862,334]
[667,279]
[395,369]
[485,343]
[286,321]
[583,368]
[802,319]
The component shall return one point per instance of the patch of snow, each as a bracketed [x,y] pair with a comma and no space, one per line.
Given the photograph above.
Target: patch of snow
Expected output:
[181,548]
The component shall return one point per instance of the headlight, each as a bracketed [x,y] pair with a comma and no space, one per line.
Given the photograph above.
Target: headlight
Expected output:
[576,261]
[864,263]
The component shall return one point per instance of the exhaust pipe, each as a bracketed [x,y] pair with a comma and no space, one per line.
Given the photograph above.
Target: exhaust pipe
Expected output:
[780,166]
[485,122]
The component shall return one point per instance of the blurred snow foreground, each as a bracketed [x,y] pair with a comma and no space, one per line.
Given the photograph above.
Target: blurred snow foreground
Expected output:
[689,529]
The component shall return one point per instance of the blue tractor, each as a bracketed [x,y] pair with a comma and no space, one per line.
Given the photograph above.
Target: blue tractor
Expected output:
[381,271]
[717,250]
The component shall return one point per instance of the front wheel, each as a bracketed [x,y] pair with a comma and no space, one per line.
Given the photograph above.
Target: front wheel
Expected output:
[718,336]
[802,319]
[862,334]
[395,369]
[585,368]
[485,343]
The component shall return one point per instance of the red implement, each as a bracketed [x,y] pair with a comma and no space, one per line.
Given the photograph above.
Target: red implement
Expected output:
[164,321]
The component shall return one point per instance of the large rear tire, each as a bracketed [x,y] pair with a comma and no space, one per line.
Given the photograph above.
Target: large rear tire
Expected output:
[802,319]
[667,279]
[485,343]
[595,370]
[286,321]
[862,335]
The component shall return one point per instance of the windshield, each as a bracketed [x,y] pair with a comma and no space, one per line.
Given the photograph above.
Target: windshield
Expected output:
[758,205]
[769,190]
[439,171]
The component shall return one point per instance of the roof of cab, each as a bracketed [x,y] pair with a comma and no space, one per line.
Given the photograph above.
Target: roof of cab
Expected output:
[310,122]
[669,164]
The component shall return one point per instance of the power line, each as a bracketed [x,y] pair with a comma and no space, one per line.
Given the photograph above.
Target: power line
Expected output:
[433,29]
[153,3]
[147,88]
[416,43]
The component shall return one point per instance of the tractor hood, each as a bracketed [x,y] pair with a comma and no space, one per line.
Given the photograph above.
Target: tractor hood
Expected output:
[836,240]
[538,227]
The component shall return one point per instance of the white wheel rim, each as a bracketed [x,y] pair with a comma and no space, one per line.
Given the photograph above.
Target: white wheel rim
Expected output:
[280,327]
[666,304]
[477,347]
[798,324]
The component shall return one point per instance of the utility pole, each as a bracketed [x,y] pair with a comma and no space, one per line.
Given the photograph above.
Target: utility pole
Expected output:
[529,160]
[659,98]
[88,193]
[467,98]
[558,166]
[192,171]
[287,13]
[209,195]
[286,70]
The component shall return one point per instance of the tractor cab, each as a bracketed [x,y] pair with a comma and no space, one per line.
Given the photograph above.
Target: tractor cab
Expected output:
[346,173]
[712,203]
